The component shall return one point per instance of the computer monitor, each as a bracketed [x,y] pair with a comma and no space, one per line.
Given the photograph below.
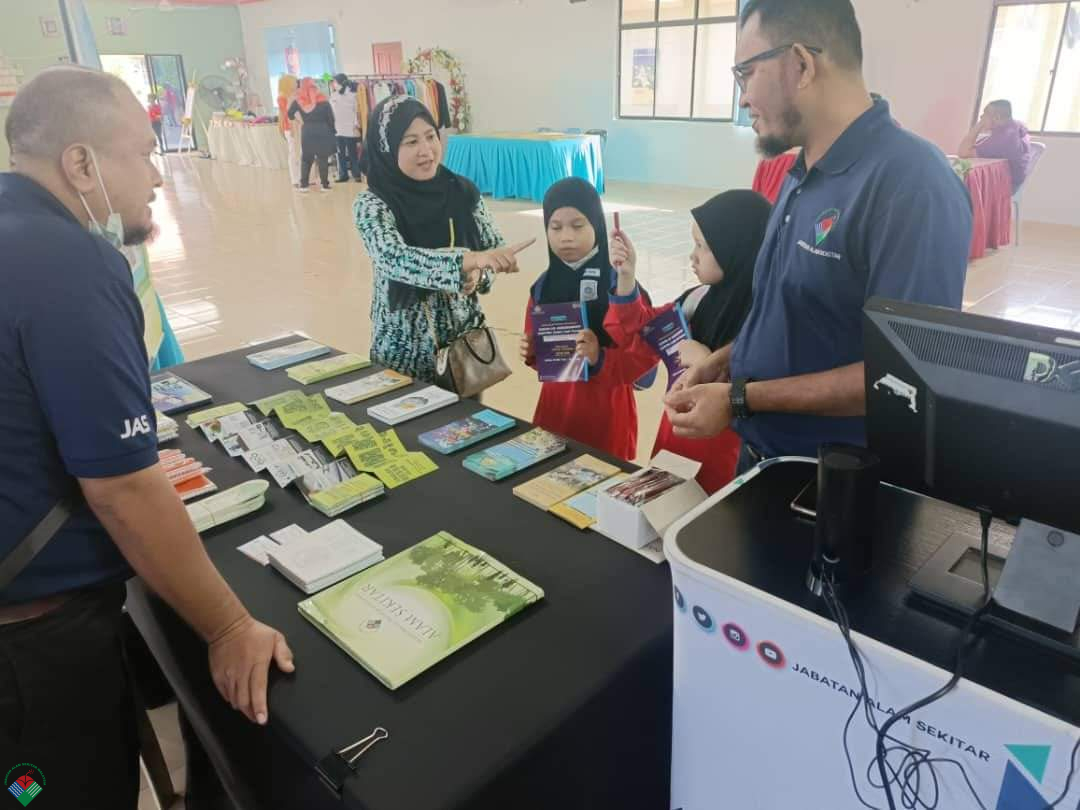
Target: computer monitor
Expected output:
[976,411]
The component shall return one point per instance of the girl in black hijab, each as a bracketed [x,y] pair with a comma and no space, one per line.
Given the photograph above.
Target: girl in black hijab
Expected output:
[728,231]
[431,240]
[600,412]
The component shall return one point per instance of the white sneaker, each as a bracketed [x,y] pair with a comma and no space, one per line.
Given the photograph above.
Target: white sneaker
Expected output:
[303,189]
[326,188]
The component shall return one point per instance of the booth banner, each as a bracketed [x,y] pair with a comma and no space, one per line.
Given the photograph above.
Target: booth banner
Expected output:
[763,691]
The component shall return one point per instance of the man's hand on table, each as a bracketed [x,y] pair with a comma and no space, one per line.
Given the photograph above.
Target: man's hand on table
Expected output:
[240,660]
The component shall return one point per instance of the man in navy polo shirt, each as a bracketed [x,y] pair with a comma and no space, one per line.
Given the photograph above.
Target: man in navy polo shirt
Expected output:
[76,420]
[868,209]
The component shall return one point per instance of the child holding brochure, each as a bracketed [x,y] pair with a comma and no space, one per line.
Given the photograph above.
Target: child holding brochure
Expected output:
[728,232]
[592,400]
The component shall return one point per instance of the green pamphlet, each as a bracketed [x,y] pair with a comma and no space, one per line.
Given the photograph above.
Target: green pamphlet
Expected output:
[404,615]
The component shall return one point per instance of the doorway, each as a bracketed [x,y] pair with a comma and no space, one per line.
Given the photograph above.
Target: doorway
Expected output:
[154,74]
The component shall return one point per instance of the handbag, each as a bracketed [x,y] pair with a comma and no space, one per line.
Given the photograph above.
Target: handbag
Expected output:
[471,363]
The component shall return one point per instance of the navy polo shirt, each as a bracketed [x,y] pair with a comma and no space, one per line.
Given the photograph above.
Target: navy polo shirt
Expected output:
[882,213]
[73,379]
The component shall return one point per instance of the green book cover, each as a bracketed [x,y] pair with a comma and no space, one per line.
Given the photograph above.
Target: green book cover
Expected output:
[406,614]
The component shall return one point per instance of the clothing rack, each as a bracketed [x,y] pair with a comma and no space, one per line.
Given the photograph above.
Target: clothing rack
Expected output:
[390,76]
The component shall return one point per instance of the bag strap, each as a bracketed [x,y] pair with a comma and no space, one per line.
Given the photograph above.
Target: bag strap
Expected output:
[491,345]
[16,560]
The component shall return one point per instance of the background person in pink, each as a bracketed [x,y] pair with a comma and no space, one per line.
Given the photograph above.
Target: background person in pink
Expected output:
[998,135]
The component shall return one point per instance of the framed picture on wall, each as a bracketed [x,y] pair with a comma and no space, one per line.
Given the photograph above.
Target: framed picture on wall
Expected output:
[116,26]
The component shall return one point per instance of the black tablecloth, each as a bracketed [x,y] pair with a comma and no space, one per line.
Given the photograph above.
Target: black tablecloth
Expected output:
[567,705]
[768,546]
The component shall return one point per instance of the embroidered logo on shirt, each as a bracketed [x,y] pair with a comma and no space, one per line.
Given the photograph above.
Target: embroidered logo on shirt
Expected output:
[826,221]
[592,272]
[135,427]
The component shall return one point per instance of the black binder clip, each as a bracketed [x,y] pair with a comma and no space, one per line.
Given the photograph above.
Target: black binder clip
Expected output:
[334,769]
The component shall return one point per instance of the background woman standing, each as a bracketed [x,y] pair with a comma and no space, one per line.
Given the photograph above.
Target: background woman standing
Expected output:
[432,242]
[318,137]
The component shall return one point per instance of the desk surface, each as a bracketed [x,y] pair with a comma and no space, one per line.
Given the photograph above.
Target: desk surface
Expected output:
[768,547]
[554,687]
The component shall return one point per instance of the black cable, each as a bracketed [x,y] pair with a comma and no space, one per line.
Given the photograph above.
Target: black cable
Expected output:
[985,518]
[1069,778]
[916,764]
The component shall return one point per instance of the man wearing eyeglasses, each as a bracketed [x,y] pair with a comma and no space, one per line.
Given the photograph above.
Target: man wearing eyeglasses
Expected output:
[868,209]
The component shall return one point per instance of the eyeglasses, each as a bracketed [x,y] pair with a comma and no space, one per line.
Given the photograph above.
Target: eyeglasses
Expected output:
[741,72]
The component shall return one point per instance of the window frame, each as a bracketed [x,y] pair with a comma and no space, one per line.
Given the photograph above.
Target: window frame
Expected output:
[655,25]
[1070,5]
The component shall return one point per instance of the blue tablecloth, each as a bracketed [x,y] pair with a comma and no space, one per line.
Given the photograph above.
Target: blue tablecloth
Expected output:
[527,166]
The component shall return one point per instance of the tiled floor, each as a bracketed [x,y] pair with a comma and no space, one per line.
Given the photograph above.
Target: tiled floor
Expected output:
[241,258]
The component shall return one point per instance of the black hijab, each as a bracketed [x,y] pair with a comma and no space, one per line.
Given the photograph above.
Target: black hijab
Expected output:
[345,84]
[562,284]
[733,224]
[423,210]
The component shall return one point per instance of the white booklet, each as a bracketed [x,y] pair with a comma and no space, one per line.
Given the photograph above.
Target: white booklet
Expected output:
[327,555]
[412,405]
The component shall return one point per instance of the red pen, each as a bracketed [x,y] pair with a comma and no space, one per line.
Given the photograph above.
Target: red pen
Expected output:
[618,229]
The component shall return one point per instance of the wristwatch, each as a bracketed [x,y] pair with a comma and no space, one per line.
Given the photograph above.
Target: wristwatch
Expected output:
[739,408]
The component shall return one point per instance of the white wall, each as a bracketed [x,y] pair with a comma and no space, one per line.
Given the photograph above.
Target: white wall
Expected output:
[550,63]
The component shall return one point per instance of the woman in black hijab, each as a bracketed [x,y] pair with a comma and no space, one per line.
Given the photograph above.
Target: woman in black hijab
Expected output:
[600,411]
[728,232]
[433,245]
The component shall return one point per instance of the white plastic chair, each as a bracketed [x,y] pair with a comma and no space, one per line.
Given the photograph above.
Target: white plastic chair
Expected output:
[1037,150]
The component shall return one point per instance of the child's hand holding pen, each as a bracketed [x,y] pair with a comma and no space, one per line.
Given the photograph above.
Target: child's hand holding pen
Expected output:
[623,259]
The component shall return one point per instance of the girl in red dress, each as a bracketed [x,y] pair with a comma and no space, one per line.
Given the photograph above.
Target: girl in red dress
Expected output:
[600,412]
[728,232]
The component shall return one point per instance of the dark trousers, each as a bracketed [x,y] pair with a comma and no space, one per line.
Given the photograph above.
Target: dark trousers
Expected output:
[157,126]
[348,157]
[315,154]
[66,705]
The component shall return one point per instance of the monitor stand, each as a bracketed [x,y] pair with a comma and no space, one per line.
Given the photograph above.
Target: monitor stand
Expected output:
[1037,582]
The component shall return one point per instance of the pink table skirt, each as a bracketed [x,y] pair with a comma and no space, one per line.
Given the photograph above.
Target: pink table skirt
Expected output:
[990,185]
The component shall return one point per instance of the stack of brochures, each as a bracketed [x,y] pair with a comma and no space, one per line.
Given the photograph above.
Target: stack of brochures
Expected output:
[503,460]
[170,394]
[311,373]
[326,556]
[412,405]
[228,505]
[466,432]
[186,474]
[338,487]
[565,482]
[167,428]
[374,385]
[445,593]
[282,356]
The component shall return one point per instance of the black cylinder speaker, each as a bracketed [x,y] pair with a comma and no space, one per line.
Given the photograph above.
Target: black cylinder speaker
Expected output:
[848,479]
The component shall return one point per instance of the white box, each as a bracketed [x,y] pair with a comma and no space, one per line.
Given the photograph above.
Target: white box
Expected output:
[635,526]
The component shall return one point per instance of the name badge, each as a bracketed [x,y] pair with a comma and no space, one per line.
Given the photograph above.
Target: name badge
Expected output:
[592,272]
[589,290]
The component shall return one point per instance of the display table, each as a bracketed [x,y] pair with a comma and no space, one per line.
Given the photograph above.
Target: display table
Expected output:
[525,164]
[568,705]
[260,145]
[764,682]
[990,185]
[770,175]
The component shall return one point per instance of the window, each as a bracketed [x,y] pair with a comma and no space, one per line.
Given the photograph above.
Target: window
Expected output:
[675,59]
[1034,62]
